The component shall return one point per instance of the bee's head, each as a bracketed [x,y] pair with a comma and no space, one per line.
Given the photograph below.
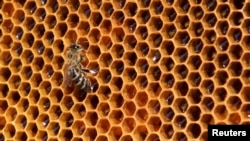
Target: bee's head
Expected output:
[76,47]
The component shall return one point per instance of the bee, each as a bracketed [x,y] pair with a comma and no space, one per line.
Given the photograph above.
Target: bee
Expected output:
[74,71]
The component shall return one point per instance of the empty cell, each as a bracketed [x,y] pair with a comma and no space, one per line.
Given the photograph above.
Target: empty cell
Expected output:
[91,118]
[11,112]
[40,14]
[245,111]
[155,40]
[170,31]
[181,105]
[32,113]
[142,66]
[130,9]
[83,28]
[105,92]
[246,42]
[130,42]
[58,62]
[103,126]
[209,36]
[141,32]
[90,134]
[60,30]
[3,106]
[167,130]
[143,16]
[24,88]
[210,20]
[181,71]
[118,18]
[116,100]
[14,81]
[130,25]
[103,109]
[234,103]
[154,73]
[167,97]
[117,67]
[235,51]
[39,31]
[116,116]
[42,135]
[49,36]
[30,7]
[155,23]
[154,124]
[94,35]
[235,34]
[23,105]
[9,130]
[130,58]
[196,12]
[208,70]
[246,26]
[154,106]
[29,24]
[141,133]
[21,122]
[207,119]
[6,42]
[91,102]
[34,96]
[194,62]
[65,134]
[7,26]
[52,6]
[44,104]
[167,64]
[234,85]
[141,81]
[141,99]
[78,127]
[17,49]
[209,5]
[106,26]
[196,29]
[4,90]
[107,8]
[222,60]
[167,114]
[5,58]
[117,51]
[180,122]
[209,53]
[181,88]
[236,18]
[53,128]
[141,115]
[195,96]
[56,95]
[117,34]
[95,19]
[235,68]
[156,7]
[37,64]
[78,111]
[105,43]
[182,22]
[246,76]
[234,118]
[129,108]
[57,79]
[119,4]
[67,120]
[220,94]
[105,76]
[181,55]
[244,94]
[18,16]
[50,21]
[168,80]
[36,79]
[222,43]
[207,104]
[105,60]
[8,9]
[129,74]
[5,74]
[194,113]
[194,130]
[73,20]
[142,49]
[126,138]
[128,125]
[85,11]
[38,47]
[67,103]
[28,39]
[115,133]
[207,86]
[221,77]
[154,89]
[154,56]
[47,71]
[221,112]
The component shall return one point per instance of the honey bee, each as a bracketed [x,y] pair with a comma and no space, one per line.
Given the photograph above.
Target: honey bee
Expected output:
[74,71]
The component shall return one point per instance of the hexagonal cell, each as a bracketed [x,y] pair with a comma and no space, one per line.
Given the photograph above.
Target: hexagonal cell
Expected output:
[235,68]
[5,74]
[181,71]
[9,130]
[220,94]
[167,131]
[67,119]
[196,45]
[116,83]
[115,133]
[91,118]
[246,76]
[39,31]
[60,29]
[194,130]
[11,112]
[207,86]
[141,115]
[105,43]
[154,123]
[107,8]
[181,105]
[21,122]
[167,114]
[36,79]
[27,57]
[32,129]
[155,24]
[221,112]
[95,19]
[209,53]
[235,51]
[155,40]
[117,67]
[106,60]
[17,49]
[3,122]
[118,17]
[30,7]
[19,16]
[52,6]
[106,26]
[73,20]
[26,72]
[221,77]
[234,103]
[194,113]
[181,88]
[245,42]
[129,108]
[168,80]
[65,134]
[141,33]
[208,70]
[170,31]
[28,40]
[29,23]
[141,81]
[8,9]
[44,104]
[14,81]
[181,55]
[23,105]
[53,128]
[244,94]
[222,60]
[117,51]
[78,111]
[90,134]
[209,36]
[105,76]
[210,20]
[129,74]
[234,118]
[234,85]
[154,89]
[167,97]
[140,132]
[126,138]
[194,96]
[43,120]
[50,21]
[5,58]
[116,100]
[24,89]
[195,79]
[196,12]
[156,7]
[143,16]
[7,26]
[207,119]
[142,65]
[180,122]
[235,34]
[207,104]
[32,113]
[103,109]
[245,110]
[37,64]
[4,90]
[196,30]
[245,26]
[236,18]
[103,126]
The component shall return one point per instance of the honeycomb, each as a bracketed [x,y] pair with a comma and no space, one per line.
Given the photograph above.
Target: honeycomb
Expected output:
[166,69]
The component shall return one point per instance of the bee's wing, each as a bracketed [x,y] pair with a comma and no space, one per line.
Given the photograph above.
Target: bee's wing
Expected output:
[67,77]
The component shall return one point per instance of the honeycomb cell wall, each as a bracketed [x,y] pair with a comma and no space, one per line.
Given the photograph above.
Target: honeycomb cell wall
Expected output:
[166,69]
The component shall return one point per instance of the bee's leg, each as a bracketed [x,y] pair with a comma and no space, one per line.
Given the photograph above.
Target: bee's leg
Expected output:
[88,70]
